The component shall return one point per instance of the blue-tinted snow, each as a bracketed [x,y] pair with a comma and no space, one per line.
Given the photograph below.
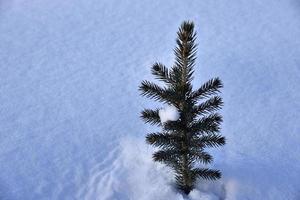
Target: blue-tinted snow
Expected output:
[69,105]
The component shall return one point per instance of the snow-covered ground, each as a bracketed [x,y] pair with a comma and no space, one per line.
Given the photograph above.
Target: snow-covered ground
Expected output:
[69,104]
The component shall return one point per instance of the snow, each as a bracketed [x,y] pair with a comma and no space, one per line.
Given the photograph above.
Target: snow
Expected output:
[169,113]
[69,100]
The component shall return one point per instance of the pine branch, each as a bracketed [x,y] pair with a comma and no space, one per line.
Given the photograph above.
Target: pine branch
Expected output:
[210,105]
[208,174]
[151,116]
[210,140]
[161,72]
[207,124]
[201,156]
[153,91]
[175,74]
[211,87]
[163,140]
[166,156]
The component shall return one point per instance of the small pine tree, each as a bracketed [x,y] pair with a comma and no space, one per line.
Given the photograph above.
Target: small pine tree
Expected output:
[182,142]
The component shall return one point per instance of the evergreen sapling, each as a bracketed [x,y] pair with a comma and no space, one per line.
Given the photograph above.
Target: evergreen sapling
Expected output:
[182,142]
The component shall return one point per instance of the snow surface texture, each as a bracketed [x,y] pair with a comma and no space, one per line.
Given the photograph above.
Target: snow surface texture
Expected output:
[133,168]
[69,104]
[169,113]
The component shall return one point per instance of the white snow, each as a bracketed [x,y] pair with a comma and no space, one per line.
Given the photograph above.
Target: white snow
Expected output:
[135,176]
[168,113]
[69,100]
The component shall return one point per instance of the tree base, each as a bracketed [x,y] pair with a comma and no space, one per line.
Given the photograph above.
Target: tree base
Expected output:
[186,189]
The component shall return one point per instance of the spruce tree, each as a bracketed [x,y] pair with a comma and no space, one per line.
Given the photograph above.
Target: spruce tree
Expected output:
[182,142]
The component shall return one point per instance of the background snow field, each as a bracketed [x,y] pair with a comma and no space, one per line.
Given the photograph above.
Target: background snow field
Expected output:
[69,100]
